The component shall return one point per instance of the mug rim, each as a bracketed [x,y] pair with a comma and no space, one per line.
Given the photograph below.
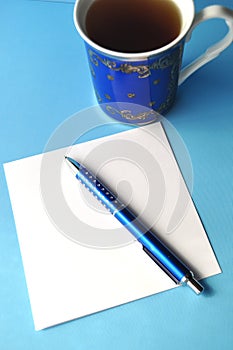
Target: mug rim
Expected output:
[133,56]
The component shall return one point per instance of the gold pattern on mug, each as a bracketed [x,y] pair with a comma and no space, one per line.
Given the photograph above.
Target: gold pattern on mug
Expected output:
[131,95]
[152,103]
[92,71]
[129,115]
[143,71]
[108,97]
[110,77]
[99,99]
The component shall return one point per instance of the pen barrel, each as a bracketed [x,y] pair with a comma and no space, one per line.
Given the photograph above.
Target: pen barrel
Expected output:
[154,247]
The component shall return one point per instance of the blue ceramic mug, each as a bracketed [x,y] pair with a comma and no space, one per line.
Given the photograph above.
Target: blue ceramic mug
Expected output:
[148,79]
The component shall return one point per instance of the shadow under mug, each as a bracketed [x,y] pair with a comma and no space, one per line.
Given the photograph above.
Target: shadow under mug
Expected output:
[151,78]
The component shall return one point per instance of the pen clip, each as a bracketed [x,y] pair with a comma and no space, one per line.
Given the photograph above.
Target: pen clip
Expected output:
[160,265]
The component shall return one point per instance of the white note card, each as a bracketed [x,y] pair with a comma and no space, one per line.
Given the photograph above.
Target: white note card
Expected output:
[77,258]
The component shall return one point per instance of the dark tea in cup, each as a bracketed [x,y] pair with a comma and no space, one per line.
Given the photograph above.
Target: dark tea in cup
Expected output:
[133,25]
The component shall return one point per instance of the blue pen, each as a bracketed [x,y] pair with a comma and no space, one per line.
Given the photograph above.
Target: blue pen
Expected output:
[151,244]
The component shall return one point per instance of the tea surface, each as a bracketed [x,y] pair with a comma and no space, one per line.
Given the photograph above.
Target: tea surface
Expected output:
[133,26]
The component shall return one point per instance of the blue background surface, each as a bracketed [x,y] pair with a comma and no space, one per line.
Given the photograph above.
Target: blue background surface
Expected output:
[44,79]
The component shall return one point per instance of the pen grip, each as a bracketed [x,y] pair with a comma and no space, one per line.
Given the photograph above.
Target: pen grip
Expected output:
[96,187]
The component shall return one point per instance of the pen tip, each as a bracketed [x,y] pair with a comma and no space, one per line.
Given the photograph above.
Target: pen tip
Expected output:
[72,163]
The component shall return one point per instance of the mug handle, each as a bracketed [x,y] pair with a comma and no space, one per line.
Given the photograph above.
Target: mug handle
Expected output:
[215,11]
